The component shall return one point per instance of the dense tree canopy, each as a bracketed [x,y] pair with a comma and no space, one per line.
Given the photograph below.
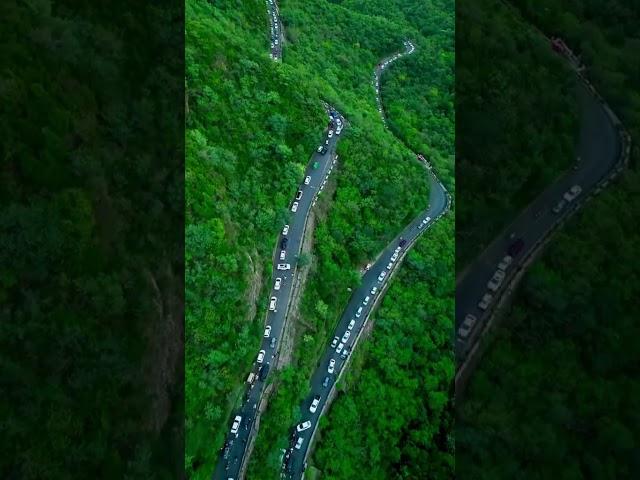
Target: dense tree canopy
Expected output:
[252,125]
[347,238]
[91,222]
[555,395]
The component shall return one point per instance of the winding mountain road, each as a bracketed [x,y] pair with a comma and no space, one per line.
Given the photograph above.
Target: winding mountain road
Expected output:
[233,454]
[360,306]
[602,150]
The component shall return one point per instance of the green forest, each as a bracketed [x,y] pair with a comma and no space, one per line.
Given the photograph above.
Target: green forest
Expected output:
[516,121]
[337,257]
[556,393]
[252,125]
[394,416]
[91,225]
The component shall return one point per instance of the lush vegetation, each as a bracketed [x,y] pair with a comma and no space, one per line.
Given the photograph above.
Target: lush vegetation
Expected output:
[515,121]
[91,225]
[393,418]
[340,249]
[252,125]
[558,388]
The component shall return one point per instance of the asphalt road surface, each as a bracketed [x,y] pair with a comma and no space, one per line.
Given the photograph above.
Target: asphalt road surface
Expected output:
[598,150]
[276,36]
[319,167]
[322,381]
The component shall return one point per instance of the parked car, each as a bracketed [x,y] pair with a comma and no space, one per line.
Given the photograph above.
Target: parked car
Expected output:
[284,266]
[272,303]
[359,312]
[339,347]
[374,290]
[351,325]
[277,284]
[485,301]
[307,180]
[394,257]
[261,355]
[557,208]
[346,336]
[516,247]
[332,365]
[330,134]
[505,262]
[285,230]
[323,149]
[267,331]
[299,195]
[299,443]
[325,382]
[283,254]
[273,342]
[344,353]
[496,280]
[283,243]
[366,300]
[294,207]
[334,342]
[382,275]
[301,427]
[314,404]
[390,266]
[236,425]
[264,371]
[572,193]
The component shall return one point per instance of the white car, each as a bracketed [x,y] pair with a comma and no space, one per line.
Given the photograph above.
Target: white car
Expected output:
[496,280]
[374,290]
[485,301]
[467,326]
[346,336]
[299,443]
[284,266]
[390,266]
[397,250]
[352,324]
[278,284]
[267,331]
[332,365]
[299,195]
[359,312]
[272,304]
[283,253]
[301,427]
[276,42]
[314,404]
[236,425]
[366,300]
[339,347]
[382,275]
[307,180]
[559,206]
[319,149]
[506,261]
[394,257]
[334,342]
[294,207]
[572,193]
[261,355]
[330,134]
[285,229]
